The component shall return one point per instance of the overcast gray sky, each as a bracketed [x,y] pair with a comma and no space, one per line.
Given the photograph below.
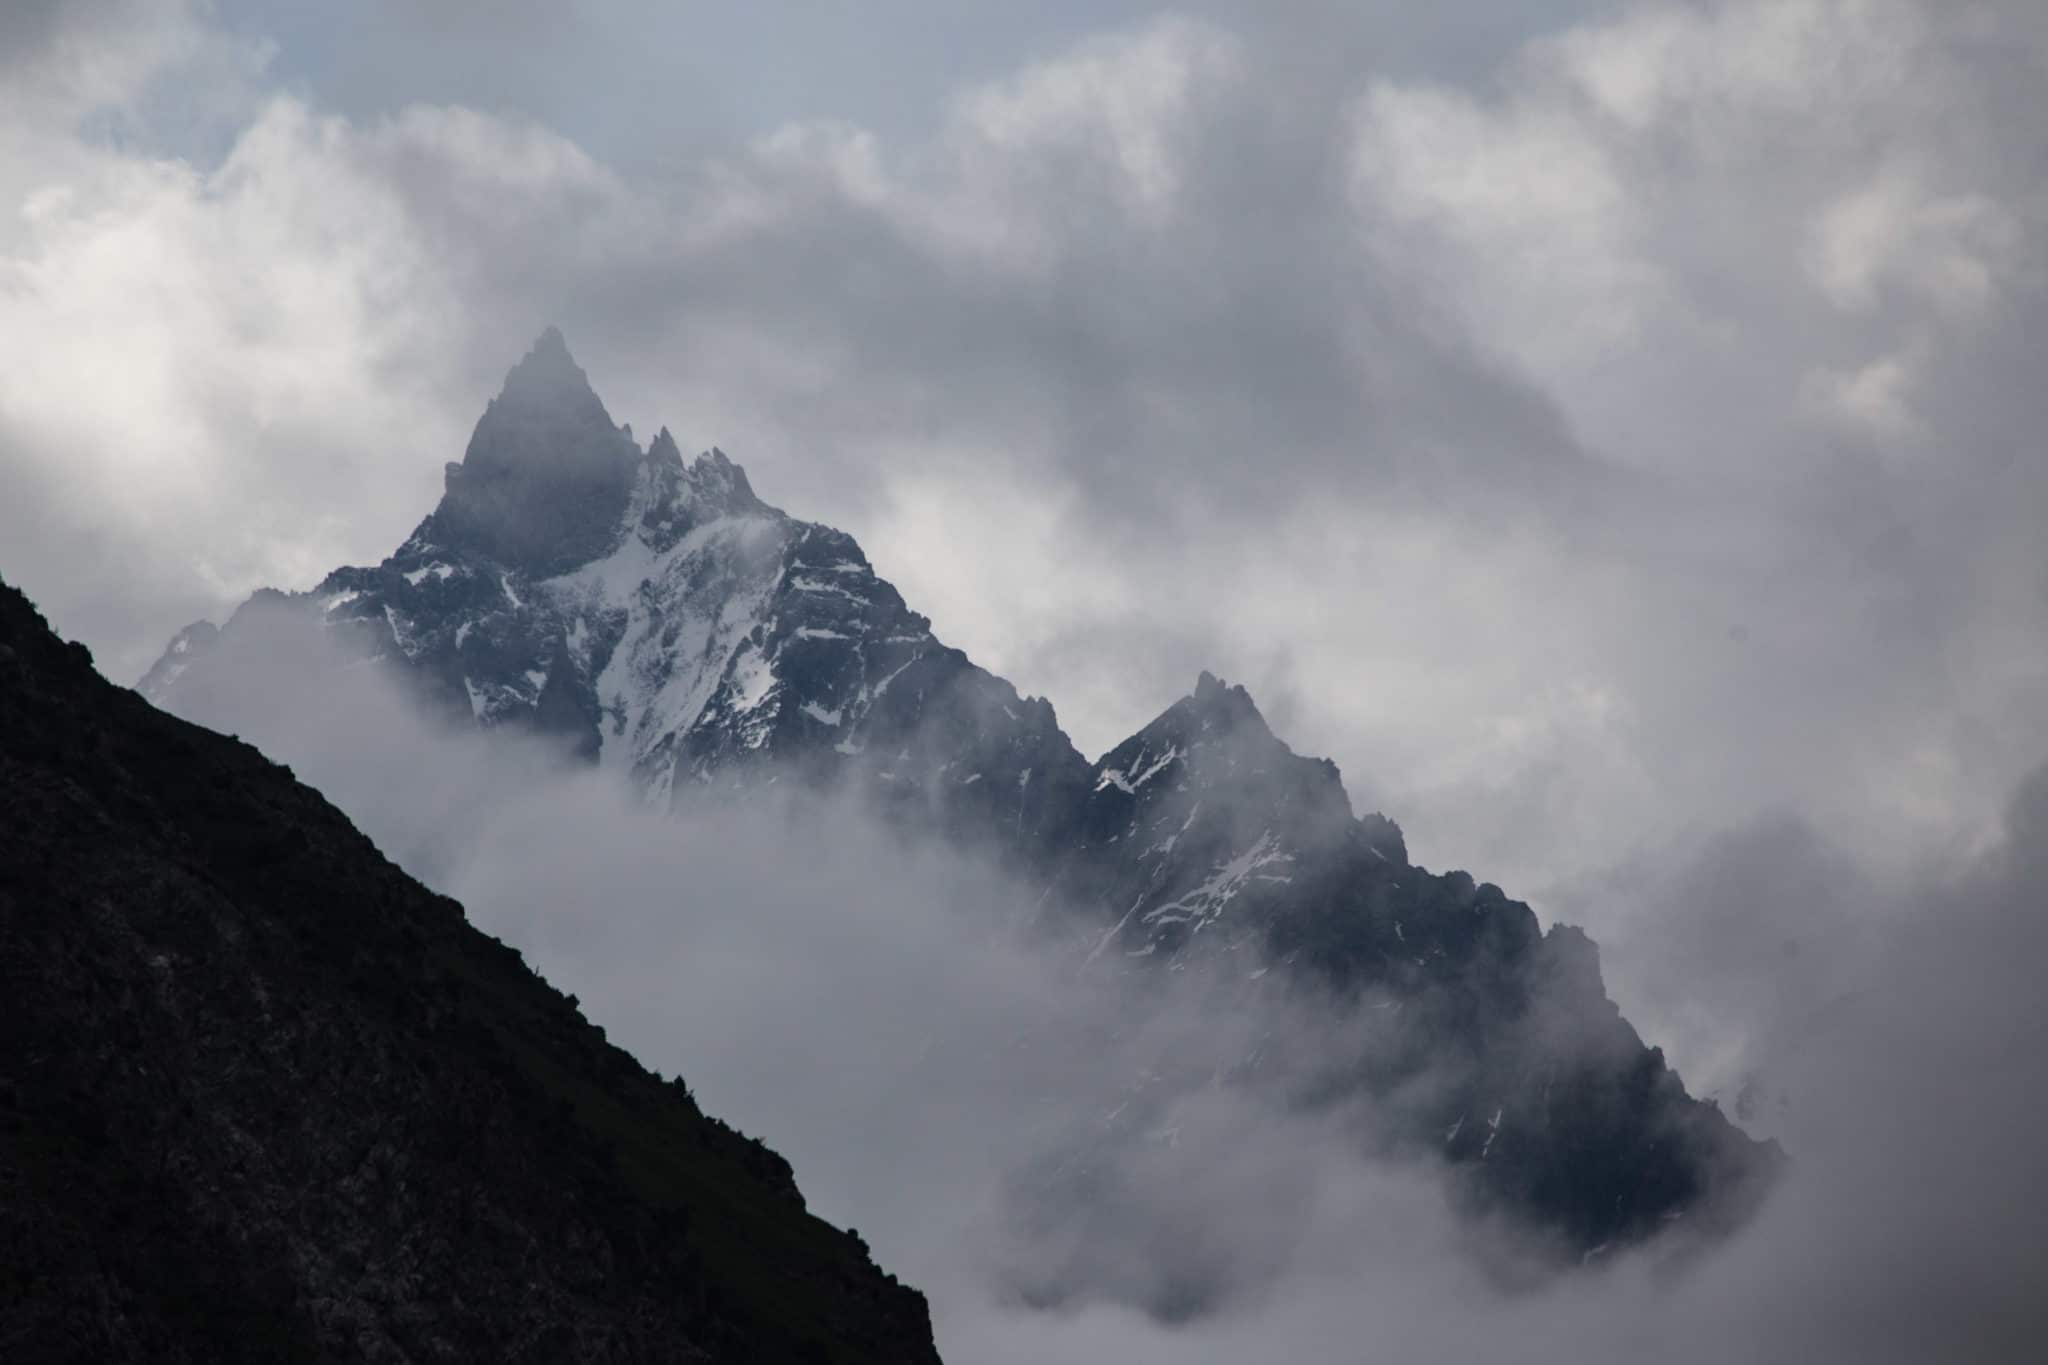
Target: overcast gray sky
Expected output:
[1611,432]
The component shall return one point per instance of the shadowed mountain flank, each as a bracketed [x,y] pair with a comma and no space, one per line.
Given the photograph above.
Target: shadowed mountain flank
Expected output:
[266,1098]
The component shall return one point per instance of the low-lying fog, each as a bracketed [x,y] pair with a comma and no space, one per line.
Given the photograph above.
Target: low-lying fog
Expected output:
[876,1015]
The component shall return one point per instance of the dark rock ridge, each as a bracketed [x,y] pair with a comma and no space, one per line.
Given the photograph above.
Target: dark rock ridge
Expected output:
[265,1098]
[706,636]
[546,475]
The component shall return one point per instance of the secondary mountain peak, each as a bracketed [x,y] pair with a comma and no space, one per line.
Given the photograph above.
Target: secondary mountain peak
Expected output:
[663,450]
[1216,702]
[1216,733]
[716,482]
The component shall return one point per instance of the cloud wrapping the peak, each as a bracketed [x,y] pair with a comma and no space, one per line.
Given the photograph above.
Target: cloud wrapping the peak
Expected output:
[868,1007]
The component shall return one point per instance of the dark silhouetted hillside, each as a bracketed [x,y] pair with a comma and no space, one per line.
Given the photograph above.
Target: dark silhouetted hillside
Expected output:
[263,1097]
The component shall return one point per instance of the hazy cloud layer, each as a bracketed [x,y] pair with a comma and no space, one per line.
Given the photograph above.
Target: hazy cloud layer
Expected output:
[872,1011]
[1591,426]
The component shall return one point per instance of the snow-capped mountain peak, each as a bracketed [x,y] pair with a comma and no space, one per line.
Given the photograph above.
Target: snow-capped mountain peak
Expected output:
[660,619]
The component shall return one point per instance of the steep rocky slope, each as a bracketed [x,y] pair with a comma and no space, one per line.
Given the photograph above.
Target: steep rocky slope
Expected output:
[709,640]
[263,1097]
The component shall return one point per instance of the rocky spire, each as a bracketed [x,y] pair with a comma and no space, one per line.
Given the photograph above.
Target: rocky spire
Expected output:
[545,479]
[548,380]
[718,485]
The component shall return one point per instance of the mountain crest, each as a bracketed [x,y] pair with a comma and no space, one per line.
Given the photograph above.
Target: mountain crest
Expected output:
[675,499]
[549,379]
[715,481]
[546,476]
[1217,704]
[663,450]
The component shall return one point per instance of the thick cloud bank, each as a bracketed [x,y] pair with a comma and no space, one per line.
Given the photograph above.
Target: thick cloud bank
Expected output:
[876,1012]
[1581,440]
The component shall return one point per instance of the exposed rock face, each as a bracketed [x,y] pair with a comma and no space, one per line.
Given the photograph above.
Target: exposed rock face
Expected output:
[707,635]
[263,1097]
[546,474]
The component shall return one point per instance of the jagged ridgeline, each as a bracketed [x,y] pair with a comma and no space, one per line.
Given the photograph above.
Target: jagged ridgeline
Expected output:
[662,621]
[265,1098]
